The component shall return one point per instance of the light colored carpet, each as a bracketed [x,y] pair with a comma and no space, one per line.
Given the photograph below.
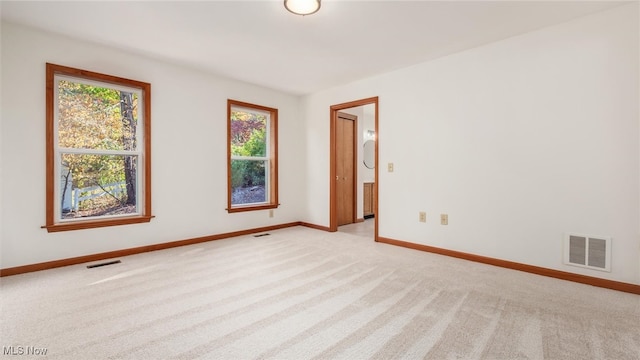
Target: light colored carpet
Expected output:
[306,294]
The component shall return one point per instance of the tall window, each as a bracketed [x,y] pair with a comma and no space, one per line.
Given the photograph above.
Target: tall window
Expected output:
[252,157]
[98,150]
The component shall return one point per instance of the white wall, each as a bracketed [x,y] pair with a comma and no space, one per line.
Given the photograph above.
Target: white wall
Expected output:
[189,193]
[368,124]
[519,141]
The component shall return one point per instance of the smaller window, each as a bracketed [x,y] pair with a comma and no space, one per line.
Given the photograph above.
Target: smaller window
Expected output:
[252,165]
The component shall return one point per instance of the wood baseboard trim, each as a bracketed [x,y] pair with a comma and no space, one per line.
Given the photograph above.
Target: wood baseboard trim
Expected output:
[359,220]
[314,226]
[583,279]
[137,250]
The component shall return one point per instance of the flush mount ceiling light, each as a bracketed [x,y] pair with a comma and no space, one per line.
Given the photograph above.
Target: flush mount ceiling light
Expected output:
[302,7]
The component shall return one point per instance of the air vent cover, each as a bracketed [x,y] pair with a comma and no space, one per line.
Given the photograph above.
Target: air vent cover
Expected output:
[593,252]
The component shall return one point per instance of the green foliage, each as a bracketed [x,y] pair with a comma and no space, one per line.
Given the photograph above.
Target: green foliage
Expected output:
[246,173]
[248,139]
[255,145]
[249,172]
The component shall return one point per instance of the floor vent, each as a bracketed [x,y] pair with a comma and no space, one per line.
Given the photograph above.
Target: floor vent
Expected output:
[261,235]
[593,252]
[103,264]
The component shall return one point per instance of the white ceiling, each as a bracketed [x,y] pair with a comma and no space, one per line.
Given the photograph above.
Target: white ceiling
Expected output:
[260,42]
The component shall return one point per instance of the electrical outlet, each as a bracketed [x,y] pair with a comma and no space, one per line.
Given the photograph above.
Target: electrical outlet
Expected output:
[423,216]
[390,167]
[444,219]
[270,213]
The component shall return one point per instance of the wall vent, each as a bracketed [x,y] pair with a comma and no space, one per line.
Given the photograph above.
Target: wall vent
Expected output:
[592,252]
[103,264]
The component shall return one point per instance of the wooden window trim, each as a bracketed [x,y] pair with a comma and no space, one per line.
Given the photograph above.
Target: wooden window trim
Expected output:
[52,225]
[273,158]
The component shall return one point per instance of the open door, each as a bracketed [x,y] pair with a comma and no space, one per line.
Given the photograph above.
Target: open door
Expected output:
[335,173]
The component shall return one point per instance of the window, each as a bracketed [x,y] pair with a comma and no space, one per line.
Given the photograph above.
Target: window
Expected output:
[252,157]
[98,150]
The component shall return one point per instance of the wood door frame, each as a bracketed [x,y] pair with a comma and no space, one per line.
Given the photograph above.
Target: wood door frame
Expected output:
[333,203]
[354,165]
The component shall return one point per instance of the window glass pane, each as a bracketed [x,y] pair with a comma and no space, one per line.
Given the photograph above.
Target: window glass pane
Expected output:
[248,181]
[248,133]
[95,117]
[97,185]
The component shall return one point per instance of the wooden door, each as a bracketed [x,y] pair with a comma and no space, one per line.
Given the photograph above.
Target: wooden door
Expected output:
[346,168]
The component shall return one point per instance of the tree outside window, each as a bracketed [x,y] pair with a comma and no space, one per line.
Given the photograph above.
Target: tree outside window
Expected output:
[98,150]
[252,168]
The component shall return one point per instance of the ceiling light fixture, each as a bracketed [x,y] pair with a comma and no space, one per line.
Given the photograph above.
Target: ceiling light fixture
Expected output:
[302,7]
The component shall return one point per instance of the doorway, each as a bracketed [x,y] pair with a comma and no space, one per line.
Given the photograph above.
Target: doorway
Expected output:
[347,211]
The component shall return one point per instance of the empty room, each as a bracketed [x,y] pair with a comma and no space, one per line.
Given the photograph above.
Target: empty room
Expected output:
[308,179]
